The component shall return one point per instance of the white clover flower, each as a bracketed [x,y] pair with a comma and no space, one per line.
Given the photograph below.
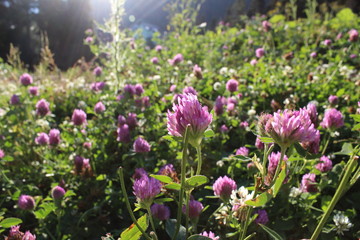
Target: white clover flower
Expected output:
[156,77]
[42,123]
[223,70]
[232,71]
[295,192]
[342,223]
[220,163]
[251,112]
[217,86]
[240,196]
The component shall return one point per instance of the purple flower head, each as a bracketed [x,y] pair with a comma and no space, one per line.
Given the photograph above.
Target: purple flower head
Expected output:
[274,159]
[154,60]
[224,128]
[195,208]
[219,105]
[333,119]
[260,52]
[287,127]
[178,58]
[333,100]
[89,31]
[243,151]
[145,101]
[42,139]
[141,145]
[26,79]
[160,211]
[87,145]
[139,173]
[131,120]
[262,217]
[28,236]
[223,187]
[339,36]
[15,100]
[172,88]
[353,56]
[78,162]
[210,235]
[327,42]
[313,55]
[158,48]
[139,89]
[26,202]
[188,90]
[146,189]
[129,89]
[266,26]
[79,117]
[353,35]
[259,144]
[253,62]
[123,133]
[15,233]
[188,111]
[324,165]
[2,154]
[97,71]
[313,114]
[57,192]
[244,124]
[54,137]
[313,146]
[167,170]
[232,85]
[264,124]
[89,40]
[308,183]
[97,86]
[34,91]
[99,108]
[197,72]
[121,120]
[42,107]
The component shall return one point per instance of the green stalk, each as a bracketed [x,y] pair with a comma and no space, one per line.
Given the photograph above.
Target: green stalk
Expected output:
[152,223]
[187,213]
[326,144]
[183,178]
[198,150]
[246,224]
[283,151]
[339,192]
[123,189]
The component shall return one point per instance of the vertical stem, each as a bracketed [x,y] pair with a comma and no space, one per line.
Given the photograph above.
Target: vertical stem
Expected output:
[123,189]
[187,213]
[152,222]
[283,151]
[339,191]
[244,230]
[198,170]
[182,183]
[326,144]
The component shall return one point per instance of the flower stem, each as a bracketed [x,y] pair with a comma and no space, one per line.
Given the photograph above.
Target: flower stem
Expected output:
[339,192]
[128,204]
[246,224]
[198,170]
[326,144]
[152,223]
[182,184]
[187,213]
[283,151]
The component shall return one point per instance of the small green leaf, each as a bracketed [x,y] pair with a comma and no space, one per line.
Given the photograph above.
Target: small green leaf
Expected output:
[356,117]
[162,200]
[162,178]
[101,177]
[69,193]
[271,232]
[279,181]
[170,229]
[209,133]
[173,186]
[133,232]
[44,210]
[266,139]
[260,200]
[346,149]
[198,237]
[9,222]
[277,18]
[196,181]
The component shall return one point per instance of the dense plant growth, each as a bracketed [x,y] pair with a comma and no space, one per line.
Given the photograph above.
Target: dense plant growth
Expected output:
[248,131]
